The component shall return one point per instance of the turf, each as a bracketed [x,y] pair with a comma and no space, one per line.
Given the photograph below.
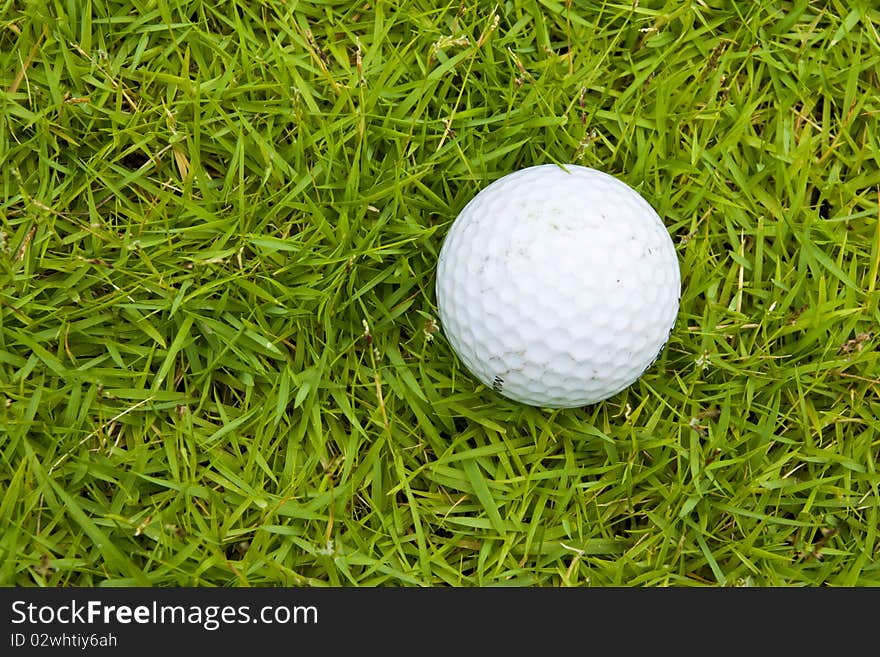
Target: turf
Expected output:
[220,359]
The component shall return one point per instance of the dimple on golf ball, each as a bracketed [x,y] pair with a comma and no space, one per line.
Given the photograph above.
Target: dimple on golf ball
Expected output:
[558,287]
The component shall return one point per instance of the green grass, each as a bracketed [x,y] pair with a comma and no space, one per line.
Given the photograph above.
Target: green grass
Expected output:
[219,358]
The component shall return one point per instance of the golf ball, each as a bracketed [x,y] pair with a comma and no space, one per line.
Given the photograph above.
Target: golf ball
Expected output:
[557,287]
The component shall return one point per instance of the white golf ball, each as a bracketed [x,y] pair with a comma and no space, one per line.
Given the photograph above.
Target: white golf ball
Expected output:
[558,287]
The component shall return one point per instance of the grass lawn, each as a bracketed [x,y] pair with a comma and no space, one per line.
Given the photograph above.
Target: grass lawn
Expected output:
[220,359]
